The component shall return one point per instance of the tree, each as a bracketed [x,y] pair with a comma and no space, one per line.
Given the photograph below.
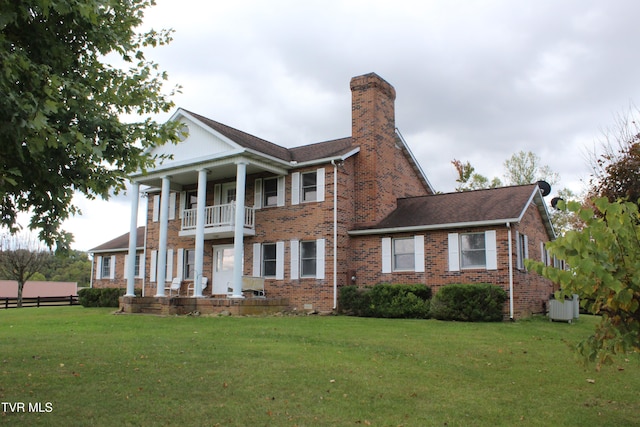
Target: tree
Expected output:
[604,270]
[62,105]
[616,171]
[525,168]
[21,257]
[470,180]
[74,266]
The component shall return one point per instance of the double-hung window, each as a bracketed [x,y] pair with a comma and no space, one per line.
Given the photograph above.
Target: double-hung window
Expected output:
[307,186]
[105,272]
[403,254]
[473,251]
[269,260]
[308,258]
[189,264]
[522,250]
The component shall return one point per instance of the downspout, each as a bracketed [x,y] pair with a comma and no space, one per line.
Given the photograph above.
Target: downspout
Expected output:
[510,273]
[335,234]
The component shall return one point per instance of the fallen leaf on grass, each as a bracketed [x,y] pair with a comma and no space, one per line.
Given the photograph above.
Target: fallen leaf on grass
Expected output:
[590,381]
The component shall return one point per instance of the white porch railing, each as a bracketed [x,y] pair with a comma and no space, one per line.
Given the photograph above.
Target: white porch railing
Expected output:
[218,216]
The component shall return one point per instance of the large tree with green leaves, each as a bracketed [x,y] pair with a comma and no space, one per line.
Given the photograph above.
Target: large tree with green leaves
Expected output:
[62,106]
[603,261]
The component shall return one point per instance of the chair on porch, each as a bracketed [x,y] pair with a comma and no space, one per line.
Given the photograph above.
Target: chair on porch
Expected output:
[192,286]
[175,286]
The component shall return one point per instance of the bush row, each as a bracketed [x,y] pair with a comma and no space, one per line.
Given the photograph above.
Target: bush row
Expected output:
[101,297]
[463,302]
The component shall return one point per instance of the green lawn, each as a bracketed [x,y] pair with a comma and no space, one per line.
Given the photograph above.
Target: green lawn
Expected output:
[89,367]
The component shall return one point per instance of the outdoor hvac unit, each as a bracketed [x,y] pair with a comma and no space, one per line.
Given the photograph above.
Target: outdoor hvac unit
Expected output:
[564,310]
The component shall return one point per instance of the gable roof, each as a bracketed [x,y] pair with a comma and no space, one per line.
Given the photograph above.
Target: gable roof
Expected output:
[121,243]
[462,209]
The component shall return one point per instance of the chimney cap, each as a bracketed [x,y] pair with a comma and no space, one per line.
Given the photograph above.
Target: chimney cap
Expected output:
[372,80]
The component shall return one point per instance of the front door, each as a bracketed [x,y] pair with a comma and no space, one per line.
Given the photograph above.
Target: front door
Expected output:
[223,260]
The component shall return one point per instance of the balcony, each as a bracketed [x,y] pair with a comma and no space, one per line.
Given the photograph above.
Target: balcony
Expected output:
[219,221]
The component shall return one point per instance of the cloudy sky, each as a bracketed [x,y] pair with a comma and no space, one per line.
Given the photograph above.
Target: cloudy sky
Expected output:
[475,80]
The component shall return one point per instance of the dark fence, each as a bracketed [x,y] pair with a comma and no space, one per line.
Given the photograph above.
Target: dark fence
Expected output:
[7,302]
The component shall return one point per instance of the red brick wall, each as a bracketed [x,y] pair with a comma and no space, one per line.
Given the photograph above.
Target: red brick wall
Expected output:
[119,280]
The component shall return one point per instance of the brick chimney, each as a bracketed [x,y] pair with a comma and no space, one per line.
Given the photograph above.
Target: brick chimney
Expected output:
[373,130]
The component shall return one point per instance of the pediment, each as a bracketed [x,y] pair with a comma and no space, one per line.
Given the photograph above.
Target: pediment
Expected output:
[201,141]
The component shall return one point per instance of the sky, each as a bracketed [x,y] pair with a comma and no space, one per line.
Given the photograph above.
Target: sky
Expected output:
[475,80]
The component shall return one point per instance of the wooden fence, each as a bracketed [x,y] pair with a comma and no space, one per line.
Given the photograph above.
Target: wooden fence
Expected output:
[10,302]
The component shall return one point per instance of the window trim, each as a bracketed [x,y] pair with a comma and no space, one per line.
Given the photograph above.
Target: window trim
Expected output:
[263,260]
[484,251]
[395,254]
[106,266]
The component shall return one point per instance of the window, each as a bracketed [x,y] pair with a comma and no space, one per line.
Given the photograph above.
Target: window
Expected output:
[309,187]
[472,250]
[269,260]
[403,254]
[270,192]
[191,199]
[189,264]
[308,259]
[137,266]
[522,250]
[105,271]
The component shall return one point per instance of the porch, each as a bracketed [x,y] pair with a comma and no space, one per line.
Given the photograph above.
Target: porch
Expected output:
[168,306]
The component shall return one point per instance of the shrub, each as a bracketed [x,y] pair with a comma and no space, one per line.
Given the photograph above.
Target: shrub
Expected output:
[101,297]
[386,300]
[481,302]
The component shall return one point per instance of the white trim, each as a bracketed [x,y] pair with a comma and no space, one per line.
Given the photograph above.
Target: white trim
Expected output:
[183,204]
[156,208]
[99,270]
[141,266]
[417,228]
[419,253]
[295,259]
[169,276]
[386,254]
[112,267]
[180,266]
[172,206]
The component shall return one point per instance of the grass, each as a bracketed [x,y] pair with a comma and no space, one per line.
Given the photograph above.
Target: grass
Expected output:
[99,369]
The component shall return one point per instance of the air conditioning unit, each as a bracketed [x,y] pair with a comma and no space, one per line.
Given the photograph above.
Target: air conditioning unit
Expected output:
[561,310]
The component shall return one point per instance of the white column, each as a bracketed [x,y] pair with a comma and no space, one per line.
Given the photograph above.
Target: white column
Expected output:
[238,236]
[162,243]
[200,219]
[133,232]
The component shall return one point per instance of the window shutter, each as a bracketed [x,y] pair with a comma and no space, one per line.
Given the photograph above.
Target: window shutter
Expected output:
[320,243]
[180,269]
[153,267]
[183,204]
[491,249]
[542,254]
[99,268]
[112,267]
[320,185]
[518,252]
[169,276]
[279,260]
[419,253]
[257,259]
[295,263]
[172,206]
[257,194]
[217,194]
[281,184]
[126,262]
[386,254]
[454,254]
[142,262]
[156,208]
[526,248]
[295,188]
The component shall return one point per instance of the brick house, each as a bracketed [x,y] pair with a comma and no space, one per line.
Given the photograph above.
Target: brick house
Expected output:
[228,206]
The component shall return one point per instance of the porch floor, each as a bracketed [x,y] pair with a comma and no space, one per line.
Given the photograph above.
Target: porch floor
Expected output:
[168,306]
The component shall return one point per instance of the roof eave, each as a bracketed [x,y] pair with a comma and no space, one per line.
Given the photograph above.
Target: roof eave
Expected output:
[408,229]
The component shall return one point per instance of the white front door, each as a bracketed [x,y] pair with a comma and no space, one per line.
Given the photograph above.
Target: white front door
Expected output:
[223,259]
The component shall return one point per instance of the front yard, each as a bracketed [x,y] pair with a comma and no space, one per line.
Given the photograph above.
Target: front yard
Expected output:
[77,366]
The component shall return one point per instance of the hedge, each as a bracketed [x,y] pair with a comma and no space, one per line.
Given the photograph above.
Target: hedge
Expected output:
[101,297]
[386,300]
[480,302]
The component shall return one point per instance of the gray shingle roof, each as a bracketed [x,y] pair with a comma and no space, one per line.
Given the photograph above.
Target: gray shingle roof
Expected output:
[506,203]
[120,243]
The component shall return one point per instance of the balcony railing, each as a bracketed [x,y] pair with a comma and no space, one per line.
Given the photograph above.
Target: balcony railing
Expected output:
[218,216]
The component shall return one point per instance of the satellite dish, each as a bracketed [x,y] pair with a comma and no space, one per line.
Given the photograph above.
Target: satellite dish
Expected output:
[554,202]
[544,187]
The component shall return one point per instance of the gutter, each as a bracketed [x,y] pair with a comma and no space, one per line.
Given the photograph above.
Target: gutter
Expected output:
[431,227]
[510,273]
